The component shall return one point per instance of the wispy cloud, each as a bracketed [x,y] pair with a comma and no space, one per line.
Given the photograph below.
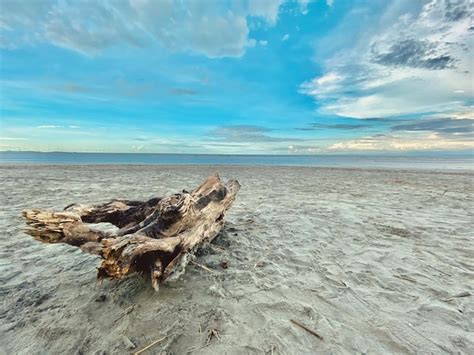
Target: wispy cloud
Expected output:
[336,126]
[48,126]
[58,127]
[212,29]
[183,92]
[447,127]
[303,149]
[13,139]
[138,147]
[247,133]
[403,142]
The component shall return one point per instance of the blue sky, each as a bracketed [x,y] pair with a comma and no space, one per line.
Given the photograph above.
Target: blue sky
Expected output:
[245,77]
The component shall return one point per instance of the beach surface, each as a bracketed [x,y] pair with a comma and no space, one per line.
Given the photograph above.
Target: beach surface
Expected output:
[375,261]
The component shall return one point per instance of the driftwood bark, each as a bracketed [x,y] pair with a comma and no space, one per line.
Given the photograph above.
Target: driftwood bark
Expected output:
[156,236]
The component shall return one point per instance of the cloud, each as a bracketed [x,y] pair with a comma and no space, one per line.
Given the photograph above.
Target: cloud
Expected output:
[212,29]
[142,139]
[446,127]
[48,127]
[72,88]
[416,54]
[266,9]
[337,126]
[13,139]
[457,10]
[262,42]
[183,92]
[89,27]
[247,133]
[285,37]
[418,142]
[413,60]
[18,16]
[429,133]
[292,148]
[304,6]
[329,78]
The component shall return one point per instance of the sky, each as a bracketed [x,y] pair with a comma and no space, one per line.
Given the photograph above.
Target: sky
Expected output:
[237,76]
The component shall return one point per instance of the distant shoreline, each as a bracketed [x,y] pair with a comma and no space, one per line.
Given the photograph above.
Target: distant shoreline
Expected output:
[461,153]
[217,167]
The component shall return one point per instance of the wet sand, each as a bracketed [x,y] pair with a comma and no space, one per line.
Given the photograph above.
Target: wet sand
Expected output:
[370,259]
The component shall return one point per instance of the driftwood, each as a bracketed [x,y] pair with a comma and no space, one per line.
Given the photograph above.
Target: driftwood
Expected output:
[156,236]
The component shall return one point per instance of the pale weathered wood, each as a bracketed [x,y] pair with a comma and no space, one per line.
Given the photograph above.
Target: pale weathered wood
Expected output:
[156,236]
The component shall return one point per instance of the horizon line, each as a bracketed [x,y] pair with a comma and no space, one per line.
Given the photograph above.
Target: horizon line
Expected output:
[411,152]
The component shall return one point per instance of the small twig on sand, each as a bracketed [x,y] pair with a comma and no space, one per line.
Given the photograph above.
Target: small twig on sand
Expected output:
[149,346]
[405,277]
[459,295]
[203,267]
[344,285]
[307,329]
[127,311]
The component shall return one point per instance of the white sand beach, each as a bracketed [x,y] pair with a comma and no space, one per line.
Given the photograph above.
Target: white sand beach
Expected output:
[375,261]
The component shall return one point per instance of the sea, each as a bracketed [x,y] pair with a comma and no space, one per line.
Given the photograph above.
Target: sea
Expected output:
[463,162]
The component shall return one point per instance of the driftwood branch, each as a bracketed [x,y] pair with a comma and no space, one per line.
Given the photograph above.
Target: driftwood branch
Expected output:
[155,236]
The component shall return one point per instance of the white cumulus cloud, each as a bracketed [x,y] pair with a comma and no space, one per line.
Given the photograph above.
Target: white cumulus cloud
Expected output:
[413,60]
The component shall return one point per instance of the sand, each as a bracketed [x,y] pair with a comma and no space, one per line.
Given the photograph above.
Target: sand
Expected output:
[370,259]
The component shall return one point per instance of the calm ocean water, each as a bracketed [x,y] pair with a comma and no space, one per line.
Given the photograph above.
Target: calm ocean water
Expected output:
[451,162]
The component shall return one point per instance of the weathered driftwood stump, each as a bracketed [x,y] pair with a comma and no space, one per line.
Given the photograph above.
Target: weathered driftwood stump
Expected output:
[156,236]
